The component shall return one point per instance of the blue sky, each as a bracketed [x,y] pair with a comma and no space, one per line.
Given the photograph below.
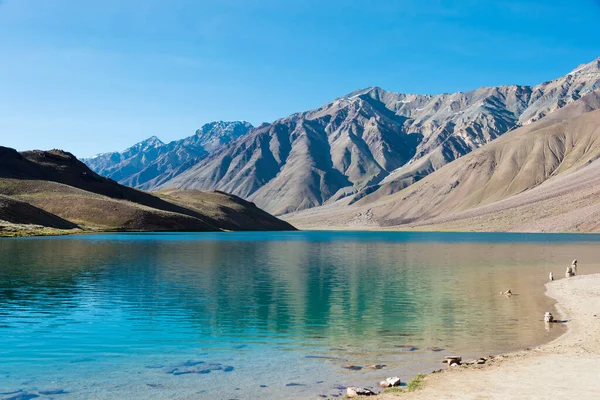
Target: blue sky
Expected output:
[94,76]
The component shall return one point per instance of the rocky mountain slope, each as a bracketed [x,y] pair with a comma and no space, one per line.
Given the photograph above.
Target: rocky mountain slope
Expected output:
[53,189]
[149,163]
[374,141]
[539,177]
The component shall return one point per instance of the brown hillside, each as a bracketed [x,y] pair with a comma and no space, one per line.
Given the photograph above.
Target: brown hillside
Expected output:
[231,212]
[19,212]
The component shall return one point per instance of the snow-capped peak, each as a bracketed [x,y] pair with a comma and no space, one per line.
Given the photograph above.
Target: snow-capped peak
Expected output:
[151,142]
[594,66]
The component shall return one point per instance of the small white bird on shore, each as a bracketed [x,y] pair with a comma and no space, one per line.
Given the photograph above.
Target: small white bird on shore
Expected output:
[548,317]
[574,266]
[551,277]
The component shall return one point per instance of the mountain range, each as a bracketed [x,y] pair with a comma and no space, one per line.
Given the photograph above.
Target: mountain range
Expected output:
[540,177]
[151,162]
[375,158]
[370,141]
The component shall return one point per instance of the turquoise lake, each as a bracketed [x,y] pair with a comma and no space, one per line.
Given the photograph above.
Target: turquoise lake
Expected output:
[265,315]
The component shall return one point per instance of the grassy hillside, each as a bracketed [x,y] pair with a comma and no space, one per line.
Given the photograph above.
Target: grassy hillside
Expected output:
[55,190]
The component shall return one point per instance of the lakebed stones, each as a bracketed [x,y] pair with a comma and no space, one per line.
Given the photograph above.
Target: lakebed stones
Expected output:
[197,367]
[192,363]
[355,391]
[390,382]
[353,367]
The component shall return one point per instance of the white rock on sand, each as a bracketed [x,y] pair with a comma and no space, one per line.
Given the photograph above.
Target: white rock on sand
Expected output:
[566,368]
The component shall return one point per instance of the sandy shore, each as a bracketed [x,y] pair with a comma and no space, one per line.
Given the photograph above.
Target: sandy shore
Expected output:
[566,368]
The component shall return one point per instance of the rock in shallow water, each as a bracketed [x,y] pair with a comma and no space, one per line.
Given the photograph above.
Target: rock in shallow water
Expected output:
[407,347]
[376,366]
[353,367]
[436,349]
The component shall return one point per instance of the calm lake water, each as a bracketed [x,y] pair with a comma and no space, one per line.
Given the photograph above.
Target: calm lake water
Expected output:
[270,315]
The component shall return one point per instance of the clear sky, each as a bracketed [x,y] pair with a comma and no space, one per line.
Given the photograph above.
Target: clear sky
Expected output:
[94,76]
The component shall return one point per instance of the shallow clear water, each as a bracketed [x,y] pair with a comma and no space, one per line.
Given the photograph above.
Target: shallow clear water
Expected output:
[275,315]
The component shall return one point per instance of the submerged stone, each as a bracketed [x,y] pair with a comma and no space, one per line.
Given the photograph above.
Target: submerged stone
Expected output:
[80,360]
[154,385]
[213,367]
[13,392]
[177,373]
[53,392]
[192,363]
[408,347]
[22,396]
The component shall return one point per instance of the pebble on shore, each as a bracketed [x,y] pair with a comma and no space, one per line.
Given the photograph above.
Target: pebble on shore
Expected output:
[354,391]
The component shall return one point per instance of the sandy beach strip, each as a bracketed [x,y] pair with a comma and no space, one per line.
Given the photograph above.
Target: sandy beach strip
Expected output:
[566,368]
